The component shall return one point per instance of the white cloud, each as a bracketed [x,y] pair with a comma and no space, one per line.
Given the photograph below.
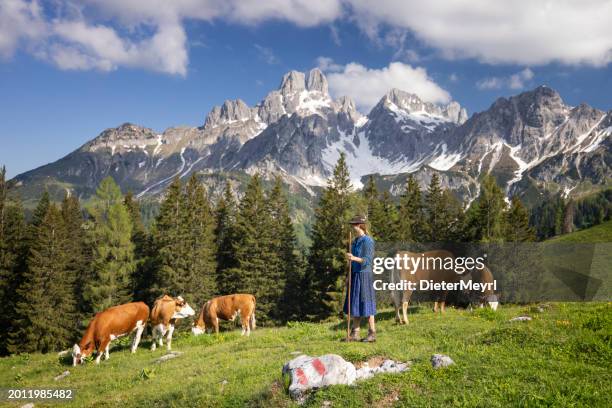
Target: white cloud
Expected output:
[523,32]
[327,64]
[151,34]
[514,81]
[366,85]
[107,34]
[19,22]
[266,54]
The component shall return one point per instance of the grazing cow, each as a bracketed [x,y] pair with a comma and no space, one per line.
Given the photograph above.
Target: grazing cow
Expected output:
[435,273]
[226,308]
[166,310]
[109,324]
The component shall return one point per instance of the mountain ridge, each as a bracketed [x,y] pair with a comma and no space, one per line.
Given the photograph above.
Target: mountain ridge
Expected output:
[528,141]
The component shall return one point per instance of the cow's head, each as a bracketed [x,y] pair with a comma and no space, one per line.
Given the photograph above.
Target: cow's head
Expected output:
[493,302]
[199,326]
[79,353]
[182,309]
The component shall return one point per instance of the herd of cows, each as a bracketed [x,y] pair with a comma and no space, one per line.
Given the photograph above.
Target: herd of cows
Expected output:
[132,318]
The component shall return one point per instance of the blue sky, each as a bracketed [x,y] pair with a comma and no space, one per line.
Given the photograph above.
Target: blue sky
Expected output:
[107,63]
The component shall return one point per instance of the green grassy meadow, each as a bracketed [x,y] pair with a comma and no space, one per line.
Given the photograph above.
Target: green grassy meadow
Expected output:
[563,357]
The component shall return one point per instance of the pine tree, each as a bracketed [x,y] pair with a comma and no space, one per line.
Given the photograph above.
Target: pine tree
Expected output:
[375,212]
[113,251]
[436,211]
[517,227]
[288,273]
[78,252]
[48,285]
[487,222]
[254,248]
[327,263]
[12,258]
[169,242]
[143,273]
[198,223]
[387,219]
[412,226]
[225,218]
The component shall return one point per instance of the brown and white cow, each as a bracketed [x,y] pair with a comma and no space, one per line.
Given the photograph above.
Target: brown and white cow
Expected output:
[166,311]
[226,308]
[108,325]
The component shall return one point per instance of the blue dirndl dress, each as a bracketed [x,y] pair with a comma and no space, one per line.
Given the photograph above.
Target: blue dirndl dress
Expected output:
[363,295]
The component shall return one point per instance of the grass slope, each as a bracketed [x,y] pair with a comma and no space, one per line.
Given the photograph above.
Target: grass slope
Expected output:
[561,358]
[598,234]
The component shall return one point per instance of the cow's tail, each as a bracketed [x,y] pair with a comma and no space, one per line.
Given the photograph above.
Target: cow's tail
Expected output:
[252,319]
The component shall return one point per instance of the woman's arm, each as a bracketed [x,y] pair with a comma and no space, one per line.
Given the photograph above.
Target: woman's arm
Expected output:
[366,253]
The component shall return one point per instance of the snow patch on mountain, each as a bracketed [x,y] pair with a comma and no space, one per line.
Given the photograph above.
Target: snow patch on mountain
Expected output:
[444,161]
[360,160]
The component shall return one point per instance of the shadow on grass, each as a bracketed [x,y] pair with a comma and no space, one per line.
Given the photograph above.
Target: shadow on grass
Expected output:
[381,316]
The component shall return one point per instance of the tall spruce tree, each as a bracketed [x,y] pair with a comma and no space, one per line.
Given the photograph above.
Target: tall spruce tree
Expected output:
[198,222]
[412,221]
[48,285]
[169,242]
[387,219]
[437,215]
[143,272]
[113,261]
[78,252]
[326,261]
[225,219]
[12,258]
[517,228]
[288,273]
[487,220]
[254,248]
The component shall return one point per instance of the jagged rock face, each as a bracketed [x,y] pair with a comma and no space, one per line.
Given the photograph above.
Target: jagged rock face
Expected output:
[401,127]
[531,140]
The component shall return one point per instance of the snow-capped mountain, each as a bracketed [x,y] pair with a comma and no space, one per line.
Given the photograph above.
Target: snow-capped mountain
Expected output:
[528,141]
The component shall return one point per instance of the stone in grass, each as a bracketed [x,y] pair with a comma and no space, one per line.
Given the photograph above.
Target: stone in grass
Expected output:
[520,319]
[62,375]
[441,360]
[387,366]
[168,356]
[28,405]
[304,373]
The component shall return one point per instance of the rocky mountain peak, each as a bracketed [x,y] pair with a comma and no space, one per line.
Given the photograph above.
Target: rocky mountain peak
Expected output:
[316,81]
[347,105]
[293,81]
[396,99]
[231,111]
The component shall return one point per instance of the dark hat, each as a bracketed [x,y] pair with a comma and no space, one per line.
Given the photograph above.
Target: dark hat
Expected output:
[358,219]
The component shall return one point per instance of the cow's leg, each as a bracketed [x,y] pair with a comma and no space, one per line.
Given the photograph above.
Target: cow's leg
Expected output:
[139,329]
[169,337]
[405,302]
[216,324]
[244,321]
[436,306]
[107,351]
[443,301]
[102,347]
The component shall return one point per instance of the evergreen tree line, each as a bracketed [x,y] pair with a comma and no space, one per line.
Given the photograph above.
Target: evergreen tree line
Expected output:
[557,215]
[70,262]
